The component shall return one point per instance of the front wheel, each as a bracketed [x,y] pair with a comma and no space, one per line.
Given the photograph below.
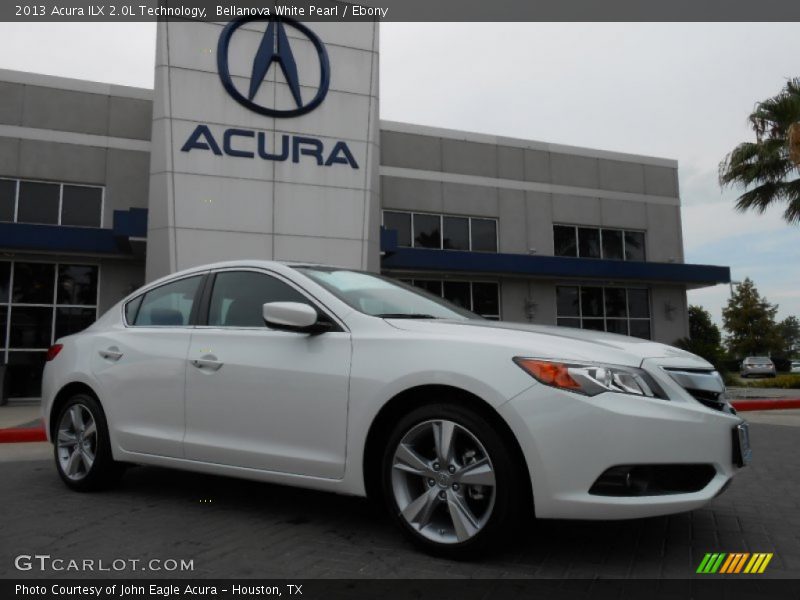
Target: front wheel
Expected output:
[82,447]
[450,481]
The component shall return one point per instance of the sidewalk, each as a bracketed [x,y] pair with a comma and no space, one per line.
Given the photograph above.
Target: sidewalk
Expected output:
[20,414]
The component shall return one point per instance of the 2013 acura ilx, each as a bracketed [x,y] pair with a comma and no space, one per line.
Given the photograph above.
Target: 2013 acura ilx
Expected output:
[350,382]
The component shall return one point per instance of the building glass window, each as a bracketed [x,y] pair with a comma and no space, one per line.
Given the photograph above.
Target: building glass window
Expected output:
[634,245]
[38,202]
[612,244]
[81,206]
[481,297]
[8,199]
[401,223]
[485,299]
[458,292]
[589,242]
[39,303]
[33,283]
[594,242]
[565,240]
[484,235]
[427,231]
[614,309]
[456,233]
[50,203]
[442,232]
[567,302]
[432,287]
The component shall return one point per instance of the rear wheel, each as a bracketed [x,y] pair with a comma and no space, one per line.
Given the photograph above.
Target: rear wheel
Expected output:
[82,447]
[450,482]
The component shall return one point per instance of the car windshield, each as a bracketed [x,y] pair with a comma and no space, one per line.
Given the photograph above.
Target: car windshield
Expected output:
[383,297]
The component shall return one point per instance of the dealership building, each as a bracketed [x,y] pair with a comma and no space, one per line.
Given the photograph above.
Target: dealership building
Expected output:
[262,139]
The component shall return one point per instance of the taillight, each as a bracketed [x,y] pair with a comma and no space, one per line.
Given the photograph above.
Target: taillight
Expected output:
[53,351]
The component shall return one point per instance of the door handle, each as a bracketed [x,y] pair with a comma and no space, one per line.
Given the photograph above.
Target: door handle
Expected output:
[206,364]
[111,353]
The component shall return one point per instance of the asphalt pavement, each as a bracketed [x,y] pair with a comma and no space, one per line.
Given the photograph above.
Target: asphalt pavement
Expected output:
[234,528]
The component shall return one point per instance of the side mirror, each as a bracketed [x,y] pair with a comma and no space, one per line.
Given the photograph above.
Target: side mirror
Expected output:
[294,316]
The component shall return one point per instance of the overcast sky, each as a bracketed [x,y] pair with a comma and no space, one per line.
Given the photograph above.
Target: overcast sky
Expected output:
[680,91]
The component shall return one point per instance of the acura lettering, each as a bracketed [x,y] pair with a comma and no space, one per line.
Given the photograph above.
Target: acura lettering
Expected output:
[248,143]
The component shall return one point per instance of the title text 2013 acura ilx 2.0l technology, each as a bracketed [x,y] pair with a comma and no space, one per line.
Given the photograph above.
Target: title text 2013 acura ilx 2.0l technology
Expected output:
[351,382]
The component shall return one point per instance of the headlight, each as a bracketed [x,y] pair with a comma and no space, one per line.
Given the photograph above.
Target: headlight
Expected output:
[592,379]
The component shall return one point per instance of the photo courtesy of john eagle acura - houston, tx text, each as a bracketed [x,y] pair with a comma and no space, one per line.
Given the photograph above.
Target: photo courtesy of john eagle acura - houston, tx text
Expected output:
[347,381]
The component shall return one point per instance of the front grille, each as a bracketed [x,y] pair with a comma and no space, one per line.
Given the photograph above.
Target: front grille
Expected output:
[705,386]
[716,400]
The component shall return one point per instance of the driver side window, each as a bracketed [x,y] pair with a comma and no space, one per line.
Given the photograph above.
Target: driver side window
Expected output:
[238,297]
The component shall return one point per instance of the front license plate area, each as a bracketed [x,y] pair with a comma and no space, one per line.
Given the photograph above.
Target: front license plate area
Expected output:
[742,453]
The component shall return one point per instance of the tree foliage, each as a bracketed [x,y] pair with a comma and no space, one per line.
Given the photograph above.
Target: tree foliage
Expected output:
[789,331]
[704,338]
[750,323]
[765,168]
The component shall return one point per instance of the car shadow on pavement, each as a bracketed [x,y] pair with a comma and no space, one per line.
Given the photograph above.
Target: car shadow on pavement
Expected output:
[550,548]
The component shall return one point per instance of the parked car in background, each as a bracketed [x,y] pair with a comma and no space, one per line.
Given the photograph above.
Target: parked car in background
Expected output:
[757,366]
[795,366]
[351,382]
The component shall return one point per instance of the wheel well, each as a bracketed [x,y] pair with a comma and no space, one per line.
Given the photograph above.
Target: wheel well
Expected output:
[64,394]
[413,398]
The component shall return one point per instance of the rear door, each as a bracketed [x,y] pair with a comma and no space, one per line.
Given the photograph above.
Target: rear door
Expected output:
[142,368]
[261,398]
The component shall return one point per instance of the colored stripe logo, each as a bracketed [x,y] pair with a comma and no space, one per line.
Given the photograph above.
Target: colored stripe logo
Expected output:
[734,562]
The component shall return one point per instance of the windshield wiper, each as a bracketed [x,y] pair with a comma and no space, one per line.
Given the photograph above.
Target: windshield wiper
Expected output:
[405,316]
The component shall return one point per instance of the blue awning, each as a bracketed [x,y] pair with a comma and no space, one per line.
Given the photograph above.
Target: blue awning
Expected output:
[129,225]
[552,267]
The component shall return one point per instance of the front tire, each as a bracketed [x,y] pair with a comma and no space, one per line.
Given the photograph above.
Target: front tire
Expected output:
[450,482]
[82,447]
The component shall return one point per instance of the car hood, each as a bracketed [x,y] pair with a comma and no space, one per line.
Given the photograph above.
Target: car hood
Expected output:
[555,342]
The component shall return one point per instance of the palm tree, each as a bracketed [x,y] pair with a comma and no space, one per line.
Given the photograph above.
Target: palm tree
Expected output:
[768,168]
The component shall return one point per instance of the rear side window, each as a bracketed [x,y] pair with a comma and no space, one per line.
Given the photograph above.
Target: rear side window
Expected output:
[169,305]
[238,298]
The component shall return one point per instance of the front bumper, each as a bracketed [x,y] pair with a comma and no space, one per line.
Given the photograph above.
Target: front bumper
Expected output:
[569,440]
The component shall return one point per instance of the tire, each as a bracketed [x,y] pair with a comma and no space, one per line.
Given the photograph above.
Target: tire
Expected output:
[432,502]
[82,448]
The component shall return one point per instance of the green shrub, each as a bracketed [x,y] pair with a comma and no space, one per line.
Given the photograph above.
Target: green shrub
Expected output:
[784,382]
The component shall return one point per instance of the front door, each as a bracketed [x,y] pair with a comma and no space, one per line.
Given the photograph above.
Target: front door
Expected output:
[260,398]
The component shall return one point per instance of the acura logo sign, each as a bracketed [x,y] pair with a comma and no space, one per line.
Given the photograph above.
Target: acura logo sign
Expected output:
[274,48]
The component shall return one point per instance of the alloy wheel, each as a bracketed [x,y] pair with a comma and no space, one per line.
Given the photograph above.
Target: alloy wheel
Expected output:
[77,442]
[443,481]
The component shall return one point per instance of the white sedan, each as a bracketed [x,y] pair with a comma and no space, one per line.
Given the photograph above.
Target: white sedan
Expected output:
[351,382]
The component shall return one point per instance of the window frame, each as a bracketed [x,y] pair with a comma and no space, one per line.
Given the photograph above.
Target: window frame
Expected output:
[605,318]
[19,180]
[441,217]
[9,304]
[499,316]
[623,231]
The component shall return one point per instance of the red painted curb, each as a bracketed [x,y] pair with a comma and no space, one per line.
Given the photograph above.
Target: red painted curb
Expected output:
[26,434]
[745,405]
[37,434]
